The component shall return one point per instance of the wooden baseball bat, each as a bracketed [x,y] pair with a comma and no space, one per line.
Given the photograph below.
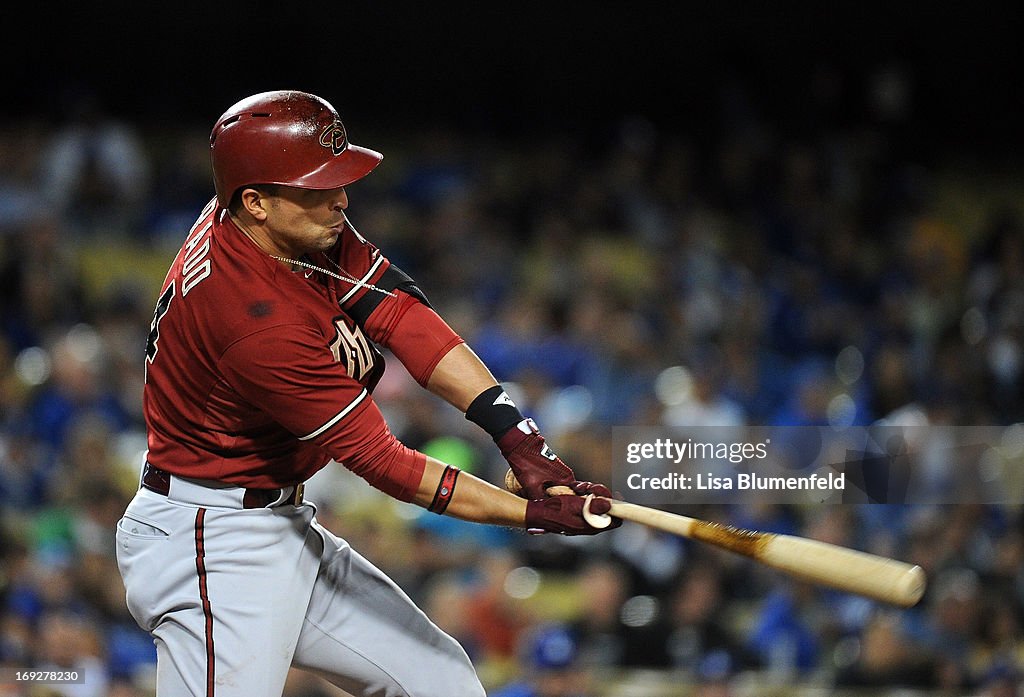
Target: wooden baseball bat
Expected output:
[868,575]
[822,563]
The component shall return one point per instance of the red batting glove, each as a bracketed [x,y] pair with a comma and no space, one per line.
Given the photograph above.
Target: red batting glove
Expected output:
[564,515]
[532,461]
[584,488]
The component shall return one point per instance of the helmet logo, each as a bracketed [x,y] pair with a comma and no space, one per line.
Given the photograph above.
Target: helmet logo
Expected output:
[334,137]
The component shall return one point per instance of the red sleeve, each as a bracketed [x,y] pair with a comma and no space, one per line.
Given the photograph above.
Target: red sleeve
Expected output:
[391,317]
[416,334]
[366,446]
[290,374]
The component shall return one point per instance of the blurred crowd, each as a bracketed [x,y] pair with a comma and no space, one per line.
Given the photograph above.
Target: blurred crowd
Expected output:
[751,274]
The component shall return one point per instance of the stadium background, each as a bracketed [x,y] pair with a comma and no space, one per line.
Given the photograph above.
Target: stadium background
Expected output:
[756,197]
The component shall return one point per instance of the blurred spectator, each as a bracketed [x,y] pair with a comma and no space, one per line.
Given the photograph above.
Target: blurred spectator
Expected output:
[705,405]
[784,637]
[887,657]
[714,675]
[955,622]
[549,666]
[179,187]
[21,202]
[41,290]
[699,634]
[494,619]
[95,169]
[26,469]
[76,390]
[604,588]
[1003,680]
[71,642]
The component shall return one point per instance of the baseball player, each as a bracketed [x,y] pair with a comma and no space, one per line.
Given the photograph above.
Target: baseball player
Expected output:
[260,368]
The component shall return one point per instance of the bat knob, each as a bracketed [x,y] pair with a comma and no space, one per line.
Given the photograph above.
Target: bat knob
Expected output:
[912,586]
[512,484]
[593,519]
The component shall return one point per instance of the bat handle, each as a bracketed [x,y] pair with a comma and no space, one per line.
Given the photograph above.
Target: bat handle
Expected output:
[512,484]
[560,491]
[599,521]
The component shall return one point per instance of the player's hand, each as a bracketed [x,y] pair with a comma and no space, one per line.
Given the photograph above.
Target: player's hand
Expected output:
[584,488]
[564,515]
[534,464]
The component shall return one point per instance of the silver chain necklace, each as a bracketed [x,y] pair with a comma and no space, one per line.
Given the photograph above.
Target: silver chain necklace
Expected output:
[346,278]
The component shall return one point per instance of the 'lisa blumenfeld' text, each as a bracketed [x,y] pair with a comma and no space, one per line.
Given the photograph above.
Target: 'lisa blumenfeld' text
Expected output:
[741,481]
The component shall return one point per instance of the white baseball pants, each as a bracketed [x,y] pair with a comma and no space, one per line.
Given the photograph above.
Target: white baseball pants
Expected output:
[233,597]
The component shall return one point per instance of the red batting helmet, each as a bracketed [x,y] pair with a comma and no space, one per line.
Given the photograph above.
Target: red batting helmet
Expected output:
[284,137]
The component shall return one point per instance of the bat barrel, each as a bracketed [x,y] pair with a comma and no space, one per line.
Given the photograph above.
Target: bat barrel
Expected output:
[880,578]
[849,570]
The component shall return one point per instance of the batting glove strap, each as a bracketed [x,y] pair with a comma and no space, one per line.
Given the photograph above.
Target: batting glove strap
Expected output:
[584,488]
[564,515]
[535,465]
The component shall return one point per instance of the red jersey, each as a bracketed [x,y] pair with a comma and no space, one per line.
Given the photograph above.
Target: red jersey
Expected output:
[258,376]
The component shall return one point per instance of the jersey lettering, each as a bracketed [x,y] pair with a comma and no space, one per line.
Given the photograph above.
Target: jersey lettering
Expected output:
[196,266]
[162,305]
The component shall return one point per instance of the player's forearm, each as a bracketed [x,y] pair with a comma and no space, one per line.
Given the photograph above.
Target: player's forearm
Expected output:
[459,377]
[472,498]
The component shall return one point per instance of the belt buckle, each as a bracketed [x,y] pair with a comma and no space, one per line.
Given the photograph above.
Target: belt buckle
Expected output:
[264,498]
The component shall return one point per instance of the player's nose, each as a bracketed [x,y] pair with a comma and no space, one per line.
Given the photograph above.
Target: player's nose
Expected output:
[339,199]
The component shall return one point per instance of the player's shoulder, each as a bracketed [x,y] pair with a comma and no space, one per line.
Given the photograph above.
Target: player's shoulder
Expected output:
[216,264]
[226,286]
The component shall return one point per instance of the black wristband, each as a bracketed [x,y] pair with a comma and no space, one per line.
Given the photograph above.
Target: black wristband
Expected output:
[494,411]
[445,490]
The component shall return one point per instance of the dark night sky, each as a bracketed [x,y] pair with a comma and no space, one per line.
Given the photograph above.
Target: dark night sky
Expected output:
[521,68]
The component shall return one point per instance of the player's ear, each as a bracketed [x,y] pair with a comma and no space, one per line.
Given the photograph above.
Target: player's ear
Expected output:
[253,202]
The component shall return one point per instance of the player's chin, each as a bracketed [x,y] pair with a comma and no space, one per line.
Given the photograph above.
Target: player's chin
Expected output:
[329,239]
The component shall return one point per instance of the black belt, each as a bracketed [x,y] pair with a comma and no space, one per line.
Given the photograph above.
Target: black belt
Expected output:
[159,481]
